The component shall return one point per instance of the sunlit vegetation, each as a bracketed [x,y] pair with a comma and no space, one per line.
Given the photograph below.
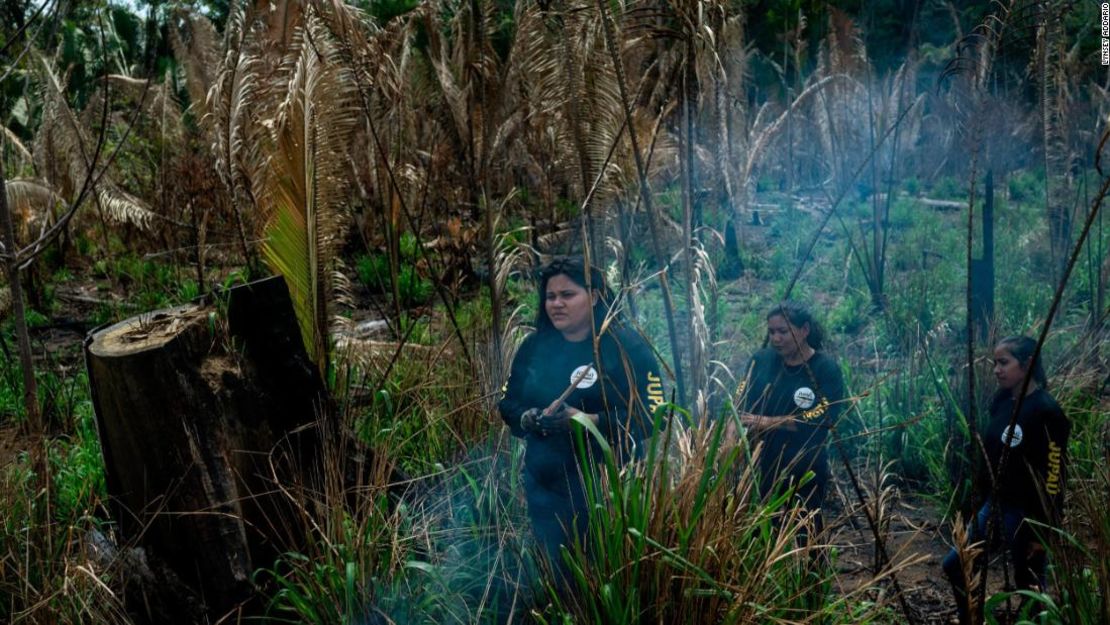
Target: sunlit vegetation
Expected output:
[406,167]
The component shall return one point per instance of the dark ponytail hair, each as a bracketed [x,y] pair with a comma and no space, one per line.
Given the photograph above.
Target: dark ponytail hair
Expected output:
[573,267]
[798,315]
[1022,348]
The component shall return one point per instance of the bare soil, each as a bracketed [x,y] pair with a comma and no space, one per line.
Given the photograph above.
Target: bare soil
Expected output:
[915,544]
[916,541]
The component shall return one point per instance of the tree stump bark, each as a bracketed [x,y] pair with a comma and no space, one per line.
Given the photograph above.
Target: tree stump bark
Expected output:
[198,418]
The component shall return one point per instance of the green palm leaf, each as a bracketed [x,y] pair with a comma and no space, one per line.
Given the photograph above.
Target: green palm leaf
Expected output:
[306,185]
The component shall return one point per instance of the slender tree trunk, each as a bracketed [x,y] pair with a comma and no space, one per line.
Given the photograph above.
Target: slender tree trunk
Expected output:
[877,233]
[1057,185]
[984,278]
[254,267]
[35,425]
[697,368]
[198,240]
[1103,273]
[723,164]
[494,291]
[624,225]
[972,426]
[19,314]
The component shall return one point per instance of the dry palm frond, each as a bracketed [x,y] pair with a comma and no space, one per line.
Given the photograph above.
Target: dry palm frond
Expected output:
[62,154]
[371,355]
[968,553]
[7,137]
[844,45]
[568,89]
[231,109]
[122,207]
[482,117]
[1056,110]
[240,109]
[400,134]
[884,499]
[348,24]
[196,49]
[32,203]
[704,279]
[560,241]
[159,97]
[152,99]
[510,257]
[305,187]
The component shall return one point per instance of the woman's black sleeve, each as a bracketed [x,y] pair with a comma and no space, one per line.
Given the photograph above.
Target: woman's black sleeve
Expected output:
[634,390]
[746,394]
[1038,471]
[1059,430]
[512,405]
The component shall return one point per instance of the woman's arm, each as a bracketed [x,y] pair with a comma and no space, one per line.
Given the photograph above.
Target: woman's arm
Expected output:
[764,423]
[634,389]
[828,385]
[512,405]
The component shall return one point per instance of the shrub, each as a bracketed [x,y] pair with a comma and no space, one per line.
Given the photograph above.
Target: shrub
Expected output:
[682,538]
[1025,186]
[413,288]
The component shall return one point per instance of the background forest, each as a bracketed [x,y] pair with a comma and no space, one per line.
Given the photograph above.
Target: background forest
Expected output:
[924,173]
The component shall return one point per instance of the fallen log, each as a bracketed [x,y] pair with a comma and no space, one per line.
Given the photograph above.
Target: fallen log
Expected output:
[944,205]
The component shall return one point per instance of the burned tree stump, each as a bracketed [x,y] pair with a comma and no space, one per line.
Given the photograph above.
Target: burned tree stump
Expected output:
[982,271]
[197,419]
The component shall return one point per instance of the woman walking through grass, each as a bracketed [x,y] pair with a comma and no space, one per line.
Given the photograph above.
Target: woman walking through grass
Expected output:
[576,364]
[1030,487]
[790,399]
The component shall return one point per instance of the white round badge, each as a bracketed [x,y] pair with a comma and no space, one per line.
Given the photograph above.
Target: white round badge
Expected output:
[804,398]
[588,378]
[1017,436]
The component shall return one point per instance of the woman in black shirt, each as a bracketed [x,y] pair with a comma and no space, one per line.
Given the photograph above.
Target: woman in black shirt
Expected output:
[616,385]
[1031,484]
[791,398]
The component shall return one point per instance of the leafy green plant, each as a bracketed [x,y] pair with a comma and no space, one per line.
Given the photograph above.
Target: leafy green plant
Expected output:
[78,467]
[1025,186]
[950,187]
[373,271]
[46,574]
[682,537]
[414,288]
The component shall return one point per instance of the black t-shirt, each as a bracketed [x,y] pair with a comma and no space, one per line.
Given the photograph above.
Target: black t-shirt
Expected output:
[623,391]
[1034,473]
[812,393]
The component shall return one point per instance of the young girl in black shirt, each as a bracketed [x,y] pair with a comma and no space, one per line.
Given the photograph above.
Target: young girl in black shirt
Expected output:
[791,398]
[616,385]
[1031,485]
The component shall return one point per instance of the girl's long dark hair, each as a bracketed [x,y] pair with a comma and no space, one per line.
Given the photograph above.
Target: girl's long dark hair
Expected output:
[574,268]
[798,315]
[1022,348]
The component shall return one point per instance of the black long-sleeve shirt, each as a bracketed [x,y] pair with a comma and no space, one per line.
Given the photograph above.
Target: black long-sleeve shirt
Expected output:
[1035,469]
[812,393]
[623,390]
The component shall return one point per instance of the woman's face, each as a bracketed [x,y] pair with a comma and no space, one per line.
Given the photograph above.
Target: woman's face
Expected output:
[1008,370]
[568,306]
[786,338]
